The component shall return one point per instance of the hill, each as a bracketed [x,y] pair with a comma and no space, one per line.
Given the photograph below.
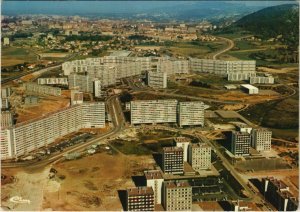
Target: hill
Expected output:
[271,22]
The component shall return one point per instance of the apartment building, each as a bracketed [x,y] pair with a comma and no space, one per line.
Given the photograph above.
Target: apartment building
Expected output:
[153,111]
[191,113]
[155,180]
[157,79]
[183,142]
[6,119]
[277,193]
[172,160]
[239,143]
[199,156]
[53,81]
[221,67]
[83,83]
[31,135]
[239,76]
[41,89]
[261,80]
[261,139]
[4,103]
[76,97]
[6,92]
[177,196]
[140,199]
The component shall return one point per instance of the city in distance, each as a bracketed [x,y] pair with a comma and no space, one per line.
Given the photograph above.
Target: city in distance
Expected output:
[149,106]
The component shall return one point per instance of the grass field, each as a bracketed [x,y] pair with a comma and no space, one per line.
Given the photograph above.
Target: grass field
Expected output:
[196,49]
[13,56]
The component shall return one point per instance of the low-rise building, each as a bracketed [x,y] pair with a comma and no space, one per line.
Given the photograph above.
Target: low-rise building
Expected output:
[250,89]
[262,80]
[177,196]
[172,160]
[140,199]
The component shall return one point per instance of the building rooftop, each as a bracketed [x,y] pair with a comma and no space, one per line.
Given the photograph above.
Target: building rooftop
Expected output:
[137,191]
[248,86]
[172,149]
[153,174]
[177,184]
[182,139]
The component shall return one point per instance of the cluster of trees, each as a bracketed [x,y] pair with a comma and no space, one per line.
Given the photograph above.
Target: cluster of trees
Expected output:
[88,38]
[138,37]
[198,83]
[281,55]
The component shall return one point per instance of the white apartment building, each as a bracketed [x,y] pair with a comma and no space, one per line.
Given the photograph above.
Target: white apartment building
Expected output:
[221,67]
[157,79]
[41,89]
[191,113]
[262,80]
[53,81]
[239,76]
[177,196]
[261,139]
[155,180]
[81,82]
[183,142]
[31,135]
[6,119]
[76,97]
[153,111]
[200,156]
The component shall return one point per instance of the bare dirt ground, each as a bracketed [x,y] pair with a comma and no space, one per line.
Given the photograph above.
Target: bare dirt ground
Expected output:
[234,107]
[87,184]
[277,71]
[98,179]
[46,105]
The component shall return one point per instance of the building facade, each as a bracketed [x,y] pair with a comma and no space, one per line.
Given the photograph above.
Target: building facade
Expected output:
[172,160]
[155,180]
[240,143]
[191,113]
[183,142]
[140,199]
[177,196]
[53,81]
[261,139]
[153,111]
[41,89]
[200,156]
[157,79]
[261,80]
[33,134]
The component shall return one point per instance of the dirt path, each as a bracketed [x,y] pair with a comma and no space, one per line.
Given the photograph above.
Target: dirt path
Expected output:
[230,46]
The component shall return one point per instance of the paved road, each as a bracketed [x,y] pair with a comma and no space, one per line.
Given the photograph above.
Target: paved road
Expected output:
[118,121]
[230,46]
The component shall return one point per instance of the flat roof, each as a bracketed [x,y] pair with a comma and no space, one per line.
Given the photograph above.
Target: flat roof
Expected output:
[173,149]
[153,174]
[177,184]
[137,191]
[248,86]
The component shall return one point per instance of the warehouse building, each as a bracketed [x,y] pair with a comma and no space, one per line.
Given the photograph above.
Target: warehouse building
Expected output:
[157,79]
[153,111]
[155,180]
[191,113]
[177,196]
[140,199]
[172,160]
[261,139]
[200,156]
[250,89]
[31,135]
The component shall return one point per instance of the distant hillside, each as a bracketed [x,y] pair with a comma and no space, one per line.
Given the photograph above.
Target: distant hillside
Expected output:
[273,21]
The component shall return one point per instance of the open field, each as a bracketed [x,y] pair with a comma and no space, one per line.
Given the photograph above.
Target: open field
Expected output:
[76,185]
[13,55]
[196,49]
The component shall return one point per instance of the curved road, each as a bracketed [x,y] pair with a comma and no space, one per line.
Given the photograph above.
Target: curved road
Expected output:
[230,46]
